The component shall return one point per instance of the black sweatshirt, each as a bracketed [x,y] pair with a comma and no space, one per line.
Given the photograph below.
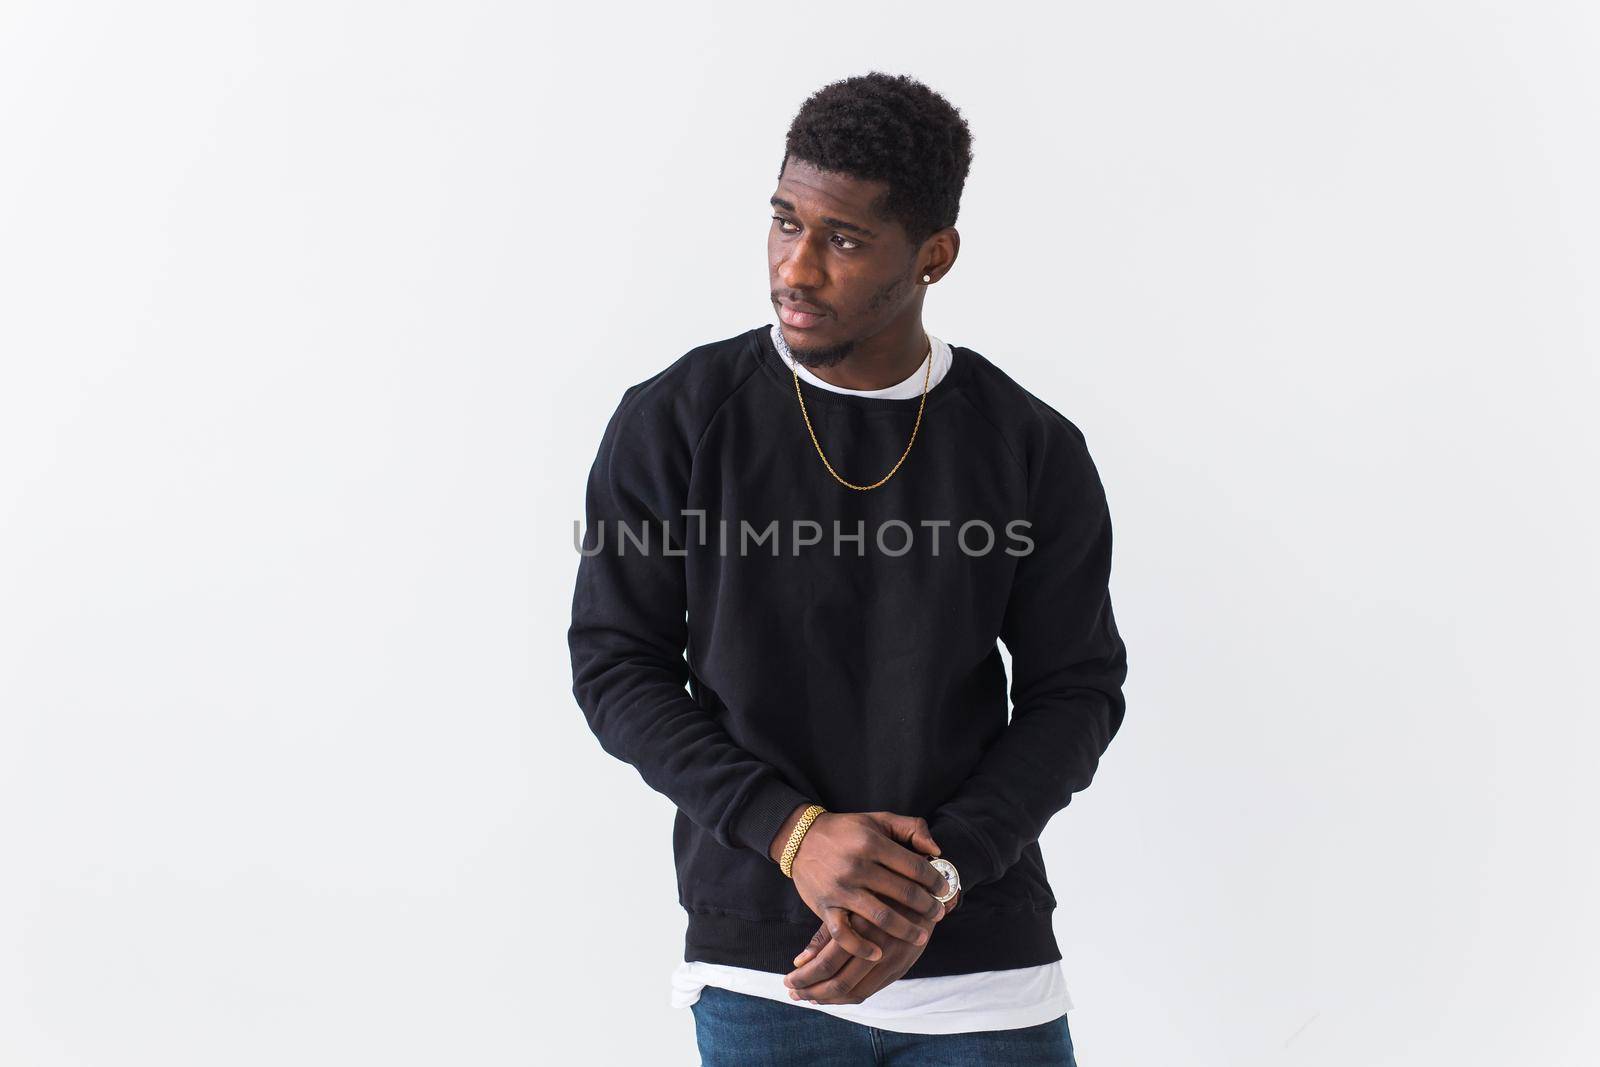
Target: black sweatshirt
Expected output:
[839,646]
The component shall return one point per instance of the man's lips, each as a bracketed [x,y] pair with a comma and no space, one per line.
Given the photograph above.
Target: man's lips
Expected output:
[800,320]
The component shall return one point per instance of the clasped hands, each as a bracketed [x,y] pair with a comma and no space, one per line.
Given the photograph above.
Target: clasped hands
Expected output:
[867,876]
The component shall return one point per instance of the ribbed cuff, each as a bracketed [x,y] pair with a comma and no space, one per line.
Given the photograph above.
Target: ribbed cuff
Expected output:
[758,822]
[960,844]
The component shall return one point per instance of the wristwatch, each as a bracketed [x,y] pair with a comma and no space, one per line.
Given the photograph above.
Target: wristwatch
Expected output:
[948,869]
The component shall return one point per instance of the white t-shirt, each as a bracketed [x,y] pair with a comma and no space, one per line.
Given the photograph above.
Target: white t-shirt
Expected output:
[948,1004]
[911,387]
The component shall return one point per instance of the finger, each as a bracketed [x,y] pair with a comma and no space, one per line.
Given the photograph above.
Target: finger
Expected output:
[879,977]
[921,838]
[877,934]
[840,989]
[845,936]
[905,893]
[910,865]
[829,961]
[886,917]
[906,879]
[813,946]
[906,830]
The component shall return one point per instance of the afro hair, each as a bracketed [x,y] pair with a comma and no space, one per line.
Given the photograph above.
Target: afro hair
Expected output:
[894,129]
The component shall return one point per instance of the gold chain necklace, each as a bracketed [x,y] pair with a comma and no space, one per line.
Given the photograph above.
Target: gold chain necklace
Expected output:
[850,485]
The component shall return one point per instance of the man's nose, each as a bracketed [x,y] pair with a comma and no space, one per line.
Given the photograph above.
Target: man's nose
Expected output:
[801,267]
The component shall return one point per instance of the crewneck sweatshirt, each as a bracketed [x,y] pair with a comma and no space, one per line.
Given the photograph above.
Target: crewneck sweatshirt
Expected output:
[841,646]
[949,1004]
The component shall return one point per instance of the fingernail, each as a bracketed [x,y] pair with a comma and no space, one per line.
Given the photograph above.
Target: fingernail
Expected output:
[798,958]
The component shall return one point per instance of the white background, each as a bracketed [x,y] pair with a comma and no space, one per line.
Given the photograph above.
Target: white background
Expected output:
[311,316]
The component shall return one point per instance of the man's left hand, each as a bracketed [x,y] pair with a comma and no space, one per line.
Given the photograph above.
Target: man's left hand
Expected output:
[827,974]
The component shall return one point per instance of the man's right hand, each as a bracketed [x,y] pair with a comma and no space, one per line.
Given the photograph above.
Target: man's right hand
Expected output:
[856,862]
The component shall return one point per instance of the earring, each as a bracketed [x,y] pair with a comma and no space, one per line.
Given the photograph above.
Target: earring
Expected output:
[927,277]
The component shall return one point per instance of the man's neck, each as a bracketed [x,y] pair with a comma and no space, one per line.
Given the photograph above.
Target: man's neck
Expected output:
[881,361]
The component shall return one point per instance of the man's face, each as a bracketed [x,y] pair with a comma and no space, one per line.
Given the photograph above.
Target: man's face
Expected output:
[827,253]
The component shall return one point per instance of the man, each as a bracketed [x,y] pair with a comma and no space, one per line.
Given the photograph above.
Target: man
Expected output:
[823,527]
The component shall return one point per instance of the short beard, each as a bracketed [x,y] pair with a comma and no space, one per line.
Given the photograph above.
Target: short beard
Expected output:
[821,355]
[832,355]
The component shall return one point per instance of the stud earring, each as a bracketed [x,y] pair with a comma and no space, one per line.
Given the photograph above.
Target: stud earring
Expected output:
[927,277]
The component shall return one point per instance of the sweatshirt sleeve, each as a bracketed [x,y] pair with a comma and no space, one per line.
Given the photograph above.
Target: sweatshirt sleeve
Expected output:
[1068,665]
[629,633]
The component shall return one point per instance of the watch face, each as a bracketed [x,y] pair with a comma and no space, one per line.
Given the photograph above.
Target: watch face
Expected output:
[948,869]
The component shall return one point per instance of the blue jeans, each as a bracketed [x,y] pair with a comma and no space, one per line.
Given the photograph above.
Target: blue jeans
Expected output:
[741,1030]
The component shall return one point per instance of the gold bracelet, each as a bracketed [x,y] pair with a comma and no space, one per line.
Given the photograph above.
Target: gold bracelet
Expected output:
[799,831]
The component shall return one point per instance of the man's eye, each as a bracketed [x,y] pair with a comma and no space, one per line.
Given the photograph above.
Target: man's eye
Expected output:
[853,245]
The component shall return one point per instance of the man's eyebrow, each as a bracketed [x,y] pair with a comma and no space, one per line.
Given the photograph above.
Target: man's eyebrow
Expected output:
[838,224]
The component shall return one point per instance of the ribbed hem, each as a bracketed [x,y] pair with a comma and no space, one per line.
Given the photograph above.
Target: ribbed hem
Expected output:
[962,942]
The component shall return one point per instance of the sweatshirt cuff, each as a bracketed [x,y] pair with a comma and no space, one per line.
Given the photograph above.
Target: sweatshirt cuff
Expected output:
[962,846]
[758,821]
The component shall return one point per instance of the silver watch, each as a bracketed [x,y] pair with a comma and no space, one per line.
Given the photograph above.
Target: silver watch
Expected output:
[948,869]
